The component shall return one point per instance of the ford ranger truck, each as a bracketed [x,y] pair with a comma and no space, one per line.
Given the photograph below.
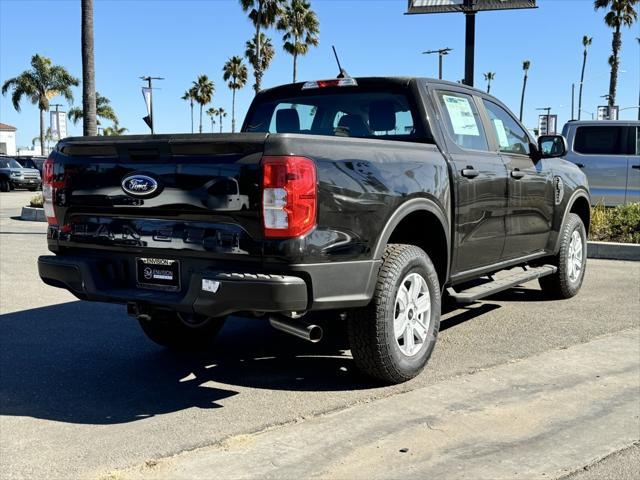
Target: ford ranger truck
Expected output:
[369,197]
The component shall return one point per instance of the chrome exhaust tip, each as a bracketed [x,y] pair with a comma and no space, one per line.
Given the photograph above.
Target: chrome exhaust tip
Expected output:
[298,328]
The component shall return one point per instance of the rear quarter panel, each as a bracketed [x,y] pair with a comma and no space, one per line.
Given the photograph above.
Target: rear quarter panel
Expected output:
[361,182]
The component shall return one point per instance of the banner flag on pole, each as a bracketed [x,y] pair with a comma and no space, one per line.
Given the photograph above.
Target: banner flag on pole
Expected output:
[146,93]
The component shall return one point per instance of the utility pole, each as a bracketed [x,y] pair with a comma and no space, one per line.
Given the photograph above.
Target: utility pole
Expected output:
[149,119]
[441,53]
[573,99]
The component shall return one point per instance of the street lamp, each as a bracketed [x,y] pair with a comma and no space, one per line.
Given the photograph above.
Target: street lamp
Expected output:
[441,53]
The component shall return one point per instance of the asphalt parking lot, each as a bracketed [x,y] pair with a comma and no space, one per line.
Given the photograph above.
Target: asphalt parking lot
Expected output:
[83,394]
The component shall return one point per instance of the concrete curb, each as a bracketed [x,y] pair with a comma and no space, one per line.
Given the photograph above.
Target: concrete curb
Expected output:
[33,214]
[614,251]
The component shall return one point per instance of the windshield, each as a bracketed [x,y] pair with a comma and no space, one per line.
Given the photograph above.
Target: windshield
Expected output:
[9,163]
[26,163]
[379,115]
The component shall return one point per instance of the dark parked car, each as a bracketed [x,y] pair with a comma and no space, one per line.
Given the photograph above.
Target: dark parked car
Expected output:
[371,197]
[13,175]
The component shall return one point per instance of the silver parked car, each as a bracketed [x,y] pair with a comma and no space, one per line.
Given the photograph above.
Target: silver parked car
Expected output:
[609,154]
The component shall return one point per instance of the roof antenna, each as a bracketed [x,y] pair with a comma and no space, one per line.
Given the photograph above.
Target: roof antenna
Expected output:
[343,73]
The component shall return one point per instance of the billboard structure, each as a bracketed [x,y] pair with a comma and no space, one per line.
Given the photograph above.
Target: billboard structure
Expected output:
[469,8]
[606,113]
[547,124]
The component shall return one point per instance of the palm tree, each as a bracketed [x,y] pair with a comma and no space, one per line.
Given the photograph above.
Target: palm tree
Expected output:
[586,41]
[48,138]
[621,14]
[190,96]
[212,112]
[301,28]
[221,113]
[267,53]
[263,14]
[103,110]
[235,71]
[40,84]
[114,130]
[488,77]
[89,107]
[203,89]
[525,66]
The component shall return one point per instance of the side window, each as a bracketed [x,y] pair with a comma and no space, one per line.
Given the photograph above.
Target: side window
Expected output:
[462,121]
[596,140]
[511,136]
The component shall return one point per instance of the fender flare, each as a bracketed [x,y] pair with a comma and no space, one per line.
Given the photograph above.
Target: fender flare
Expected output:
[578,193]
[408,207]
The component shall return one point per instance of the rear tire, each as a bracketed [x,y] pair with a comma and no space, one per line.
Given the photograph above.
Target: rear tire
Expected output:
[571,261]
[183,332]
[393,337]
[4,185]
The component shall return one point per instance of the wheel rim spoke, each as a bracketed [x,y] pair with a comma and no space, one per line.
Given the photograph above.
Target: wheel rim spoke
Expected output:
[423,305]
[409,341]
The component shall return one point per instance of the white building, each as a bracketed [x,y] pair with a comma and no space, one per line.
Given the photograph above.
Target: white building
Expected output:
[7,139]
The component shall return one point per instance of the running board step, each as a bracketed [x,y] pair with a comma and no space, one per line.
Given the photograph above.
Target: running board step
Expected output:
[494,286]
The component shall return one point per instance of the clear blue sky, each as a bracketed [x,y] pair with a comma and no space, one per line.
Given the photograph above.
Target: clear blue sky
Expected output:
[181,39]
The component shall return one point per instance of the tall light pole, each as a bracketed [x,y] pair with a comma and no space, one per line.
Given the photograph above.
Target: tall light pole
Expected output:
[441,53]
[149,120]
[638,39]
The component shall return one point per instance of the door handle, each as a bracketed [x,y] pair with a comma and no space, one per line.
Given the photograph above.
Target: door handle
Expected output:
[517,174]
[637,167]
[470,172]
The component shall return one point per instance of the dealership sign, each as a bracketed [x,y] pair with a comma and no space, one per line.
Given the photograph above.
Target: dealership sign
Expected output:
[445,6]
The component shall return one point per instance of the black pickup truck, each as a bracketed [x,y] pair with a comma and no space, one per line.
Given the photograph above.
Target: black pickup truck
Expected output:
[371,197]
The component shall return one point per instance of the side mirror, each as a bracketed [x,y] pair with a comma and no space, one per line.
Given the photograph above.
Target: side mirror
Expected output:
[552,146]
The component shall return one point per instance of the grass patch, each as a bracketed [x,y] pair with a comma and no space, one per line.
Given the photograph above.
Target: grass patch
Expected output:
[617,224]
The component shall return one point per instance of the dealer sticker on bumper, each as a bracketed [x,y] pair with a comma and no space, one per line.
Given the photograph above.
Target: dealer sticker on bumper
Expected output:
[210,285]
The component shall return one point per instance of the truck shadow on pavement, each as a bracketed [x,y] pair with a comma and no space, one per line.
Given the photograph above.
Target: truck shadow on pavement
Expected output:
[89,363]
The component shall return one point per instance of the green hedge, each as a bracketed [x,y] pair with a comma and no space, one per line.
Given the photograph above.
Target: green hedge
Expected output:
[617,224]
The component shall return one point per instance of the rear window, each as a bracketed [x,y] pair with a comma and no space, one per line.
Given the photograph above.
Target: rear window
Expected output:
[599,140]
[349,113]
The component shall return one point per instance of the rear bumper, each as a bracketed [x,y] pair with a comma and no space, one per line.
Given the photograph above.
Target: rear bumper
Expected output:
[296,288]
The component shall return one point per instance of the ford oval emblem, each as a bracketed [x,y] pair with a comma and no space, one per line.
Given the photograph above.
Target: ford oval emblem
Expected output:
[139,185]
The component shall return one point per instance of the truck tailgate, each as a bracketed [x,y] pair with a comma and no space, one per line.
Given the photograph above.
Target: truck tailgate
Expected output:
[188,192]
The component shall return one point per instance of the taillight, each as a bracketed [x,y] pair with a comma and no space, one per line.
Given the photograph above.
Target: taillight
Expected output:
[49,187]
[289,196]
